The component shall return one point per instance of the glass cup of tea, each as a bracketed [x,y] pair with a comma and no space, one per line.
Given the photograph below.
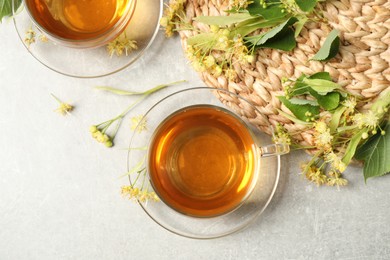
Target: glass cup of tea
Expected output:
[205,162]
[81,23]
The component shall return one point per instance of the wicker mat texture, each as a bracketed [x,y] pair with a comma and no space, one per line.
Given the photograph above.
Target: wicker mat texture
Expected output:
[361,67]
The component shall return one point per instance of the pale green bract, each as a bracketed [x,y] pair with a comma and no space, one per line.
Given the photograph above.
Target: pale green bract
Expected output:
[223,20]
[130,93]
[299,101]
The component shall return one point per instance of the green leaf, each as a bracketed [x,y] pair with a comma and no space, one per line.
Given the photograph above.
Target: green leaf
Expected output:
[273,10]
[300,110]
[375,153]
[321,86]
[293,118]
[280,37]
[330,48]
[6,7]
[329,101]
[306,5]
[321,75]
[284,42]
[299,87]
[224,20]
[263,38]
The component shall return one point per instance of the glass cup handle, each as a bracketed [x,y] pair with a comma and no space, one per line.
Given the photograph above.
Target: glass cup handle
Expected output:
[274,149]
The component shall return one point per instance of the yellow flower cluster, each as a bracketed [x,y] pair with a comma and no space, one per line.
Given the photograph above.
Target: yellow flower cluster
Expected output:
[317,176]
[100,136]
[336,181]
[335,161]
[320,175]
[221,47]
[63,108]
[322,136]
[281,136]
[121,45]
[263,3]
[239,4]
[202,63]
[138,194]
[29,37]
[218,54]
[323,140]
[290,6]
[370,120]
[326,166]
[43,38]
[173,13]
[350,105]
[139,123]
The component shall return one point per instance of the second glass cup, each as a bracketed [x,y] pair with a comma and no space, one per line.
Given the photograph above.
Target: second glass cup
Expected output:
[81,24]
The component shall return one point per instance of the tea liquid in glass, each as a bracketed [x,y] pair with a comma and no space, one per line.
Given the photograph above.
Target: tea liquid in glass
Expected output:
[202,161]
[77,19]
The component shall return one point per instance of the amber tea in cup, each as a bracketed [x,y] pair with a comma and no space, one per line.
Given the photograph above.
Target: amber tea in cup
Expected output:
[202,161]
[81,23]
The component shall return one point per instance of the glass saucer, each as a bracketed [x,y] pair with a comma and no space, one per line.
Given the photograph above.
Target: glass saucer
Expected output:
[185,225]
[92,63]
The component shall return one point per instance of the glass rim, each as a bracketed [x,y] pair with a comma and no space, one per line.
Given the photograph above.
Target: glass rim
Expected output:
[140,53]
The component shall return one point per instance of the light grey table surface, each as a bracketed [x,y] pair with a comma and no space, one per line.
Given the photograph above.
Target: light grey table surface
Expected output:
[60,190]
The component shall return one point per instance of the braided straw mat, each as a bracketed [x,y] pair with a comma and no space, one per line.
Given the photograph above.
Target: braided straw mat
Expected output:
[361,67]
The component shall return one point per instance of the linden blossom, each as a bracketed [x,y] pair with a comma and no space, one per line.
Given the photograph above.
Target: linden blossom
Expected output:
[231,40]
[141,195]
[338,132]
[139,123]
[63,108]
[122,45]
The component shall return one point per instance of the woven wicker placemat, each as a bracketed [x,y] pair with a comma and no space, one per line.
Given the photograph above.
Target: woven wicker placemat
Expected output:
[361,67]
